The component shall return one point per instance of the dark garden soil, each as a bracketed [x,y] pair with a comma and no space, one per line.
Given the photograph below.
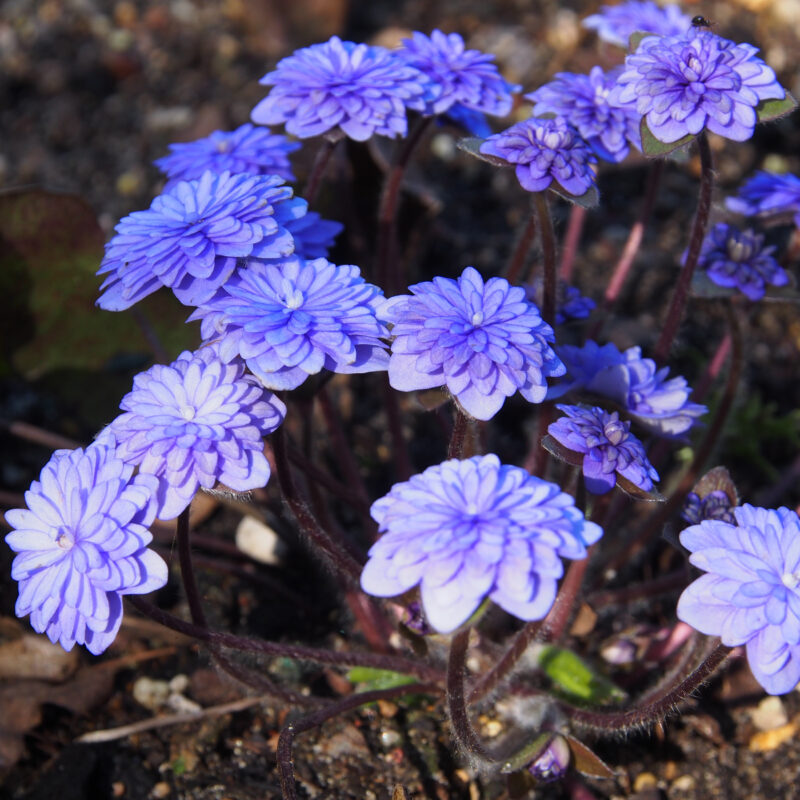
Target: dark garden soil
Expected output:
[90,93]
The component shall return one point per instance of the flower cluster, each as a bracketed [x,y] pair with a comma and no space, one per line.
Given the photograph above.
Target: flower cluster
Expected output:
[585,103]
[658,403]
[607,448]
[543,152]
[465,530]
[292,319]
[193,236]
[82,543]
[684,84]
[768,193]
[355,89]
[739,260]
[459,77]
[194,423]
[616,24]
[256,151]
[483,341]
[751,593]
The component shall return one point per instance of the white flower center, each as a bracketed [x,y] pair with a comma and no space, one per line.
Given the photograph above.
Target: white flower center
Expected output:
[188,413]
[477,318]
[65,539]
[790,580]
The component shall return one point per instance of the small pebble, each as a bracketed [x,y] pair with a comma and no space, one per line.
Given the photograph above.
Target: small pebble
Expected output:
[683,784]
[764,741]
[259,541]
[161,789]
[152,694]
[769,714]
[645,780]
[118,789]
[390,739]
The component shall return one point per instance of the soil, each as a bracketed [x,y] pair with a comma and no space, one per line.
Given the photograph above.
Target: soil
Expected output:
[90,94]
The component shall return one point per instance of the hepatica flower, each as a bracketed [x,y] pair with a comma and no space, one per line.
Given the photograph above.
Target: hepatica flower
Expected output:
[583,100]
[570,303]
[768,193]
[291,320]
[313,236]
[544,151]
[750,594]
[193,235]
[194,423]
[458,75]
[646,393]
[248,149]
[684,84]
[82,543]
[615,24]
[353,88]
[739,260]
[715,505]
[607,446]
[465,530]
[483,341]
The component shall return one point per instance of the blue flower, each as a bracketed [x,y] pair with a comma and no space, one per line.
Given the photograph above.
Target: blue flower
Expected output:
[484,342]
[82,543]
[615,24]
[194,423]
[465,530]
[583,100]
[458,75]
[738,259]
[193,236]
[767,193]
[751,593]
[251,150]
[570,303]
[544,151]
[608,448]
[313,236]
[293,319]
[353,88]
[473,122]
[684,84]
[658,403]
[715,505]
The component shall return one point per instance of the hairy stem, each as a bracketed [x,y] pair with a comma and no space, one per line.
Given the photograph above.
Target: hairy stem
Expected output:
[514,270]
[321,159]
[545,223]
[389,271]
[681,295]
[656,708]
[394,663]
[572,238]
[460,426]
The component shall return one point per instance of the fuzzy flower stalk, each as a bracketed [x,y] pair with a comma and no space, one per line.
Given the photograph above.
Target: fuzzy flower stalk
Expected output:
[750,594]
[195,423]
[482,341]
[466,530]
[81,545]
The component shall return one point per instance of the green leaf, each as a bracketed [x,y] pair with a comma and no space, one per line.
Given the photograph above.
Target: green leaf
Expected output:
[575,678]
[50,248]
[635,39]
[655,148]
[586,761]
[768,110]
[589,199]
[716,480]
[378,678]
[472,145]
